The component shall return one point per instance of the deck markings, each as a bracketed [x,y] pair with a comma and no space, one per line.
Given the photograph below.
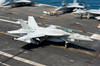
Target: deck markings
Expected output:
[4,20]
[9,34]
[9,21]
[72,49]
[95,36]
[46,24]
[21,59]
[4,64]
[77,50]
[8,17]
[27,13]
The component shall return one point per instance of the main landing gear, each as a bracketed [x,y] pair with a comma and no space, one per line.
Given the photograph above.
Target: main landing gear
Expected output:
[66,44]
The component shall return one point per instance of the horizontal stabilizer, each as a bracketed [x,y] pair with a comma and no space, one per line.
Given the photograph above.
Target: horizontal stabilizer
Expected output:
[23,24]
[19,31]
[26,40]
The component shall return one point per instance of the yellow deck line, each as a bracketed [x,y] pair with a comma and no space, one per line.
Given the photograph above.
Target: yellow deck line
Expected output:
[9,34]
[77,50]
[23,12]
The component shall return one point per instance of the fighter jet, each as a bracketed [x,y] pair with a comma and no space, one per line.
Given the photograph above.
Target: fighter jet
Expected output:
[95,13]
[70,7]
[90,13]
[2,2]
[17,3]
[32,33]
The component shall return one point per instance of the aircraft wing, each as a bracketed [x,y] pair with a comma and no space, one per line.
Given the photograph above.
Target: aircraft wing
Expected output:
[23,1]
[17,31]
[76,36]
[52,27]
[29,36]
[7,3]
[95,12]
[77,6]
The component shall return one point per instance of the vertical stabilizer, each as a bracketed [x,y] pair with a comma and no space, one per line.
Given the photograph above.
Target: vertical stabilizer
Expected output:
[2,2]
[75,1]
[63,2]
[24,25]
[32,23]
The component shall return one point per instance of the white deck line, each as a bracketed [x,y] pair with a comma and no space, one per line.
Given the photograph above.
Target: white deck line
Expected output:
[8,17]
[9,21]
[4,64]
[21,59]
[95,36]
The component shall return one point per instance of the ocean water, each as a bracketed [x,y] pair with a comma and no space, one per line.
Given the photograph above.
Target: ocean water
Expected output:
[91,4]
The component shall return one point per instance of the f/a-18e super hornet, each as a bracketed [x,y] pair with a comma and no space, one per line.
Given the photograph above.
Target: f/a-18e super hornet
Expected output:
[89,13]
[32,33]
[17,3]
[70,6]
[2,2]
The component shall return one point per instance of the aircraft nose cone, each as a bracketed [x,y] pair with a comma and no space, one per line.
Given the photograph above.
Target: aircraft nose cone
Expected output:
[88,38]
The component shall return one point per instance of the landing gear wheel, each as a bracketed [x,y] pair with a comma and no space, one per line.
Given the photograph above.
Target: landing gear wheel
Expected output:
[14,38]
[66,44]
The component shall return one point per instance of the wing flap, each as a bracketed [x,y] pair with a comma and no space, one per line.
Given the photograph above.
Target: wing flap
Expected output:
[52,27]
[29,36]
